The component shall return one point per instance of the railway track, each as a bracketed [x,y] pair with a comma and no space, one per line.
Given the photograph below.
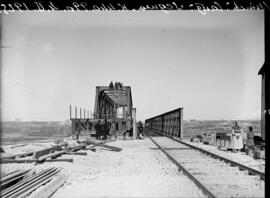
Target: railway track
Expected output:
[214,175]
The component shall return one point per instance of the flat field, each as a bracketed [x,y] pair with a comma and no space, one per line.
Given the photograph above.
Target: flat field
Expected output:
[199,127]
[13,132]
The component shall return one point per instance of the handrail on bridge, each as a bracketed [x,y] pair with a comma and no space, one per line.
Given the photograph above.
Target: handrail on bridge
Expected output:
[169,123]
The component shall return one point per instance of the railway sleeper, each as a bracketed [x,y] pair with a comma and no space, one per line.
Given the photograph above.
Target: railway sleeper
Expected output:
[232,177]
[232,190]
[204,162]
[248,185]
[214,174]
[213,166]
[199,170]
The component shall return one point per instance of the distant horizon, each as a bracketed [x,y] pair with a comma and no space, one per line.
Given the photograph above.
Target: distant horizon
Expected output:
[188,120]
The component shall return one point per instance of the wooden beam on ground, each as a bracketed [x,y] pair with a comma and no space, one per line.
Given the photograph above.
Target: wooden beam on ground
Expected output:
[76,153]
[36,154]
[34,182]
[91,149]
[10,173]
[113,148]
[51,155]
[18,155]
[42,152]
[18,145]
[74,148]
[6,161]
[17,175]
[50,188]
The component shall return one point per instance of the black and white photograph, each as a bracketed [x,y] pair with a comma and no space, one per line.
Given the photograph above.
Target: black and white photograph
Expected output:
[161,103]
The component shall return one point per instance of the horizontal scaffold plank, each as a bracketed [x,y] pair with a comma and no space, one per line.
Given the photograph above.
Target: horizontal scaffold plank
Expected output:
[90,119]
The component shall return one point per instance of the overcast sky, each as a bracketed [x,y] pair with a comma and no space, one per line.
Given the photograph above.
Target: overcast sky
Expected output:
[207,64]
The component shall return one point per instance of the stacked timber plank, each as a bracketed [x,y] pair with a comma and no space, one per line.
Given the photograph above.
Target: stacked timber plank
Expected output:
[50,154]
[49,189]
[38,156]
[30,184]
[19,155]
[10,178]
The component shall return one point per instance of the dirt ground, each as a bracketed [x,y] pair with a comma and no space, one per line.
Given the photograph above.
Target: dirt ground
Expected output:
[136,171]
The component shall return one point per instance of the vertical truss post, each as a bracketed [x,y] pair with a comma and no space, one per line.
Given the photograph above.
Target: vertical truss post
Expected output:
[134,122]
[181,123]
[162,123]
[70,113]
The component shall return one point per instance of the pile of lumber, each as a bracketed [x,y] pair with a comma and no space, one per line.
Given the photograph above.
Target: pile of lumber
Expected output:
[50,154]
[38,156]
[33,182]
[112,148]
[11,178]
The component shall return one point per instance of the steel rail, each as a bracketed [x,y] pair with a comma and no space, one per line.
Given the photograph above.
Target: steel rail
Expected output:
[233,163]
[186,172]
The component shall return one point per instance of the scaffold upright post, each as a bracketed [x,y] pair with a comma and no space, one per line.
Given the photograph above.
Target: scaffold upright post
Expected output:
[134,122]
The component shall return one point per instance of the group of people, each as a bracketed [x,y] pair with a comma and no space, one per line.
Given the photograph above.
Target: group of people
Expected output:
[237,142]
[129,130]
[117,85]
[102,130]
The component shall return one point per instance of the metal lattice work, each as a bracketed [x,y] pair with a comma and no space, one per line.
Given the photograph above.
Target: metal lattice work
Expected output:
[170,123]
[157,123]
[109,99]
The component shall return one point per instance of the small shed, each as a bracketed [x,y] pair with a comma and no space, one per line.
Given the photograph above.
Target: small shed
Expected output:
[265,105]
[264,71]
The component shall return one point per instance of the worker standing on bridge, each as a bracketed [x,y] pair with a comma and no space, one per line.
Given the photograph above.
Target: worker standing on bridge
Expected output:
[250,138]
[116,85]
[106,129]
[140,130]
[120,86]
[98,129]
[112,130]
[111,85]
[237,140]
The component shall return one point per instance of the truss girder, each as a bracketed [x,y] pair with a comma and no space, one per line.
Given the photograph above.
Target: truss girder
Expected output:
[170,123]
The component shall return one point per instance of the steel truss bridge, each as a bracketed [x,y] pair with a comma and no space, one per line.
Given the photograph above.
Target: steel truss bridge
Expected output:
[111,103]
